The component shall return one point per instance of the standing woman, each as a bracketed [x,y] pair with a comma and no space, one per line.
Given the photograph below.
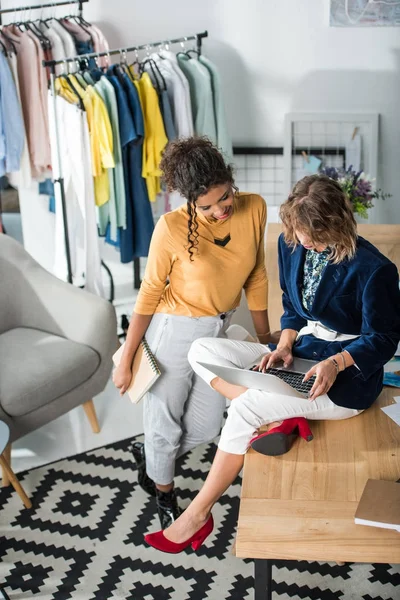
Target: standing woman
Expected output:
[201,257]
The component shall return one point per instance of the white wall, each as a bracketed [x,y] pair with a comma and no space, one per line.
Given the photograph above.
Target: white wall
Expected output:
[278,56]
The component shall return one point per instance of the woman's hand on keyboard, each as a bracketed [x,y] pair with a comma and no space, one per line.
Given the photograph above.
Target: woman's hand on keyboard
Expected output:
[325,375]
[279,355]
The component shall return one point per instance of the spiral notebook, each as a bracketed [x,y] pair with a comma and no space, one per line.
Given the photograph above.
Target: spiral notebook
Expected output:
[145,371]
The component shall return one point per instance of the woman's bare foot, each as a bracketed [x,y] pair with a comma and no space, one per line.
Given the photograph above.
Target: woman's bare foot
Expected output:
[229,390]
[185,527]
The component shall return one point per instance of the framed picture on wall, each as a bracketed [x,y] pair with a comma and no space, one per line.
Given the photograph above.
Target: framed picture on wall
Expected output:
[364,13]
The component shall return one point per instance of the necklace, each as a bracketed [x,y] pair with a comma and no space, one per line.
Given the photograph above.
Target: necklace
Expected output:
[224,241]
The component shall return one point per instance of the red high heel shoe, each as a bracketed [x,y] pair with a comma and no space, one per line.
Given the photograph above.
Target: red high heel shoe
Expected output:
[279,440]
[160,542]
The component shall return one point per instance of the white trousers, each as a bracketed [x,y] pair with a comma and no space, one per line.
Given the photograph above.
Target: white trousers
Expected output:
[255,408]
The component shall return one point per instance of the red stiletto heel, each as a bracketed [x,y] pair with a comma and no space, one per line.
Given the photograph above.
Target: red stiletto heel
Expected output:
[279,440]
[160,542]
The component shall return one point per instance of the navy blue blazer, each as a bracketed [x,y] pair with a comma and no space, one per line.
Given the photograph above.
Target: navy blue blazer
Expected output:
[359,296]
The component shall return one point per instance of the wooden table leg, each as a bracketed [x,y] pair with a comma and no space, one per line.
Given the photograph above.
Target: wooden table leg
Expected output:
[14,482]
[262,579]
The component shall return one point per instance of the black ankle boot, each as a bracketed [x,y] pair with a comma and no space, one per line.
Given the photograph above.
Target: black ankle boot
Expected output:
[144,480]
[167,506]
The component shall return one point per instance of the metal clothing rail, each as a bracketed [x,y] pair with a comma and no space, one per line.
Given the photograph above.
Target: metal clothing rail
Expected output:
[57,167]
[196,37]
[47,5]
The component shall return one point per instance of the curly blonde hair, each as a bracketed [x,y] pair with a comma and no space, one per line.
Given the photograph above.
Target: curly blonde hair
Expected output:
[318,207]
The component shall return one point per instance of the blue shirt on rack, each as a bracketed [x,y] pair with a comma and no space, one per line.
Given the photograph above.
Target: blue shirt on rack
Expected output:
[11,123]
[135,239]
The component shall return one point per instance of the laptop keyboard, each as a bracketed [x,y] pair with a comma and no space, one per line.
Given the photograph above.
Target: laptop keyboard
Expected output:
[295,380]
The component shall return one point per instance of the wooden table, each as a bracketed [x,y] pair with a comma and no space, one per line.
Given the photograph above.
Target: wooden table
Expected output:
[300,506]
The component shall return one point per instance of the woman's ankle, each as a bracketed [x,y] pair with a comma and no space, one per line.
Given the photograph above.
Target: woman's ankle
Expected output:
[165,488]
[198,515]
[273,425]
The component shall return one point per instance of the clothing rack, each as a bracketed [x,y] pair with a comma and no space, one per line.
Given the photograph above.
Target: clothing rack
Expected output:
[80,9]
[57,168]
[47,5]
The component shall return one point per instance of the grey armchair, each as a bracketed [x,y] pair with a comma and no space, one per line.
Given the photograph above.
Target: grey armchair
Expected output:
[56,344]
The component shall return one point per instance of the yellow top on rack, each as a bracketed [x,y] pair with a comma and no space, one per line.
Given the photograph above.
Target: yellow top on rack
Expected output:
[155,138]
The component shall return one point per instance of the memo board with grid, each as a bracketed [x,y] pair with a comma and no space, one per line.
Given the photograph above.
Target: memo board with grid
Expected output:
[326,135]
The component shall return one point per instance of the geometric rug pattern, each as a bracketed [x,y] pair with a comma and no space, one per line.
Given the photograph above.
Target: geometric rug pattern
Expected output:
[83,540]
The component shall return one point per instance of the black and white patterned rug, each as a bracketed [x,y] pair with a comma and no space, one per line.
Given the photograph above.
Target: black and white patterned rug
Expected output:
[84,540]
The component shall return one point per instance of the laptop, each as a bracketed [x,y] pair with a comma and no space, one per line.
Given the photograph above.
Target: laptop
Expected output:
[277,380]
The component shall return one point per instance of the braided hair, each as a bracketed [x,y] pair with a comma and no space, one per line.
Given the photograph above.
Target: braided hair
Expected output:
[192,166]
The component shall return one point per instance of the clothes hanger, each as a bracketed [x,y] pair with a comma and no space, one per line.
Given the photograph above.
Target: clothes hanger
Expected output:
[73,88]
[86,72]
[80,24]
[193,50]
[44,41]
[156,74]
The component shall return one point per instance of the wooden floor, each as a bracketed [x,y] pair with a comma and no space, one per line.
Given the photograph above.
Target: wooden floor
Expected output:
[301,505]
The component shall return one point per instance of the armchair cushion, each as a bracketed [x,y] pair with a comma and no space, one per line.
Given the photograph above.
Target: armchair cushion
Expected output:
[37,367]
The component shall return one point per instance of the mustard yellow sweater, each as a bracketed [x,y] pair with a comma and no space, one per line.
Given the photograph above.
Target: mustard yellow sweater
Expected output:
[213,282]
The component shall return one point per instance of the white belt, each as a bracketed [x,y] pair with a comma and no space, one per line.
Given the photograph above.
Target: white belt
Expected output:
[318,330]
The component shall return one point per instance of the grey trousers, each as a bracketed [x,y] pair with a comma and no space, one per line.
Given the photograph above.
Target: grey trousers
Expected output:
[181,411]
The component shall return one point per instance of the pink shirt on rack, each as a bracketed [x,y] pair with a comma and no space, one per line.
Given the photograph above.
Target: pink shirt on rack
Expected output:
[100,45]
[76,30]
[33,89]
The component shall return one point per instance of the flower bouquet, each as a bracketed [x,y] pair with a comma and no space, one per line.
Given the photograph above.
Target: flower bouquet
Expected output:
[357,186]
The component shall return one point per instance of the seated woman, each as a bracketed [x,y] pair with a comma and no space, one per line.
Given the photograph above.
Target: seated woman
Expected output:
[341,305]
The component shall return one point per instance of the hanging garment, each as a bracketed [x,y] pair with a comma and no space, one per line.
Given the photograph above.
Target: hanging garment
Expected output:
[100,45]
[82,39]
[22,177]
[57,46]
[128,136]
[155,138]
[119,181]
[74,143]
[173,61]
[143,223]
[11,124]
[68,43]
[224,141]
[101,140]
[32,85]
[101,143]
[166,112]
[201,96]
[78,33]
[179,95]
[163,99]
[43,81]
[115,210]
[135,240]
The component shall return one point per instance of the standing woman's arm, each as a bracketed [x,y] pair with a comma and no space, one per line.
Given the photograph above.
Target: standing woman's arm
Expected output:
[158,268]
[256,285]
